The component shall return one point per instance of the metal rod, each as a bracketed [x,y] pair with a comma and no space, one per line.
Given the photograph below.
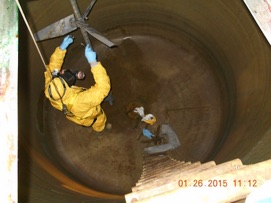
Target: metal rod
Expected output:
[78,17]
[89,9]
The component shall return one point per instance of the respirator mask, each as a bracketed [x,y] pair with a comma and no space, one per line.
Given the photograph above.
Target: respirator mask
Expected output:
[69,76]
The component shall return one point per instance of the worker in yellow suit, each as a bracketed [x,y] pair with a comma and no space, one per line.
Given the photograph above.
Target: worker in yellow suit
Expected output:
[80,105]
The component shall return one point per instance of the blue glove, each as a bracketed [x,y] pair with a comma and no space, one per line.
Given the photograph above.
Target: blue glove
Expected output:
[90,54]
[147,133]
[66,42]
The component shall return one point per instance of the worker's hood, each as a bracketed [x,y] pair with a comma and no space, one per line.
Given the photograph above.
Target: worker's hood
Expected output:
[59,92]
[58,88]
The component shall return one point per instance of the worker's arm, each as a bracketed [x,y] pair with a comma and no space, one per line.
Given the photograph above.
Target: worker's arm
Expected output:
[57,58]
[102,81]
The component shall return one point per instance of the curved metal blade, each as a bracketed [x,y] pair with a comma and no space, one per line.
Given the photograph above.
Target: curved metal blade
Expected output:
[57,29]
[96,34]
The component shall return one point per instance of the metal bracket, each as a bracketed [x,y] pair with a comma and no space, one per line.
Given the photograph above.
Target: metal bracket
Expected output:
[70,24]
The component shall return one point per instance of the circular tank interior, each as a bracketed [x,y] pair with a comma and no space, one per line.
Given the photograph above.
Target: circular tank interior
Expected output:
[200,67]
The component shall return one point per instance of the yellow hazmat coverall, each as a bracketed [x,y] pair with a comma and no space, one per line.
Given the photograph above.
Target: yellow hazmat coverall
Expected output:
[83,103]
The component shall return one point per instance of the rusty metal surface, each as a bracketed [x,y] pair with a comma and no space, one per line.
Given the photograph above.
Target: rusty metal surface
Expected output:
[59,28]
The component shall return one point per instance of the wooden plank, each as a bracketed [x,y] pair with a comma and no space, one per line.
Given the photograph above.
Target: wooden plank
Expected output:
[238,184]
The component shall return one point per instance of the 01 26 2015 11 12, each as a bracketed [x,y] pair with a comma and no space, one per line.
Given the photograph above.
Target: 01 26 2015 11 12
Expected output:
[216,183]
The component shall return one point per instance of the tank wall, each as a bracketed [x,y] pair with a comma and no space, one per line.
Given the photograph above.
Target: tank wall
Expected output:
[224,29]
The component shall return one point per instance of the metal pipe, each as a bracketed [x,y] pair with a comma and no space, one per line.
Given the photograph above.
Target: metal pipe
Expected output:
[78,17]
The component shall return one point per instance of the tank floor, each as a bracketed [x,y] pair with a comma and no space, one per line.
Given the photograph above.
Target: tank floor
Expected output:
[176,83]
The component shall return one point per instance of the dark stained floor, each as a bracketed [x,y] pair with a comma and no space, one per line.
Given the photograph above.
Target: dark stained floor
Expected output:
[173,82]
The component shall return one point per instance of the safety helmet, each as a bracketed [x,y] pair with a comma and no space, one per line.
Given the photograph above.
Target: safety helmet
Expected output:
[149,119]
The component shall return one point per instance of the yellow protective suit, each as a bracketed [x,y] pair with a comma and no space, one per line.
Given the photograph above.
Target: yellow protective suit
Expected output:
[84,104]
